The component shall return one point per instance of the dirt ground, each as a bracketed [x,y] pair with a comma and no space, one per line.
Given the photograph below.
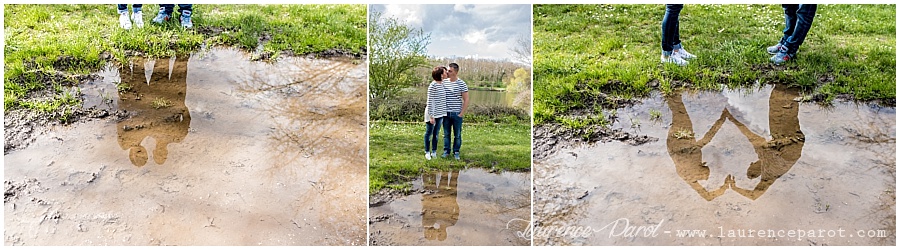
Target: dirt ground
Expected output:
[460,207]
[727,162]
[211,149]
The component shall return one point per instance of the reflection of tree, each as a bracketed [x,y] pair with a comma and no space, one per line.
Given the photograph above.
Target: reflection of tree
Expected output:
[157,107]
[318,116]
[776,156]
[440,209]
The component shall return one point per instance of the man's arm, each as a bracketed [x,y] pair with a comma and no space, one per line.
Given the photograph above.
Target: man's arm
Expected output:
[465,97]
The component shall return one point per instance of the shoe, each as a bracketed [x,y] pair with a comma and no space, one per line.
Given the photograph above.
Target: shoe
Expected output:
[456,156]
[161,17]
[186,19]
[124,22]
[433,154]
[444,155]
[673,59]
[427,156]
[774,49]
[138,19]
[683,54]
[782,56]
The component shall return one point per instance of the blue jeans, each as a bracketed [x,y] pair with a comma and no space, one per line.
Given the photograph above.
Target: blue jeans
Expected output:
[123,8]
[452,122]
[798,19]
[181,8]
[431,134]
[670,37]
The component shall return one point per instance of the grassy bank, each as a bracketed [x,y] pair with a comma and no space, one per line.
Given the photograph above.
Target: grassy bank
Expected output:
[396,151]
[586,51]
[48,46]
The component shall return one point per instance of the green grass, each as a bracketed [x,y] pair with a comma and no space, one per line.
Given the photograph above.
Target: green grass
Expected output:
[583,50]
[396,151]
[79,39]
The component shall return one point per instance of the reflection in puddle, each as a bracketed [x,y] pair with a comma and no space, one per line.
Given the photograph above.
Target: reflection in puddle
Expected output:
[776,155]
[439,207]
[254,153]
[459,207]
[736,159]
[156,108]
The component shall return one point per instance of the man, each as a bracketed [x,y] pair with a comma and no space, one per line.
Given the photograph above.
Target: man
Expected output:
[457,102]
[798,19]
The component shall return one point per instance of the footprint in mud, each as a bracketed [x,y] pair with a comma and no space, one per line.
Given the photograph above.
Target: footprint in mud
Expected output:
[156,107]
[775,156]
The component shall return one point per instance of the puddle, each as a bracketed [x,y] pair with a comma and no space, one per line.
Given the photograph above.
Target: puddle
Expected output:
[201,150]
[731,160]
[467,207]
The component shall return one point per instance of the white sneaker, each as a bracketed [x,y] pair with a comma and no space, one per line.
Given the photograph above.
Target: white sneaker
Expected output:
[427,156]
[433,154]
[138,18]
[124,22]
[683,54]
[673,59]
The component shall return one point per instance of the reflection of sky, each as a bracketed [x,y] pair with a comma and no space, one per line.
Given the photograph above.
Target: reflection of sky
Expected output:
[750,107]
[477,31]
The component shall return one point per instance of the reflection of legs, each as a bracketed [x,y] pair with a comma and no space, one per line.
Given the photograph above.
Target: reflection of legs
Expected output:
[686,153]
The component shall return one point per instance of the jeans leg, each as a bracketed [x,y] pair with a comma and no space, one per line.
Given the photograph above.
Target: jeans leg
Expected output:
[670,26]
[447,125]
[457,129]
[187,7]
[790,21]
[805,16]
[123,8]
[428,129]
[168,8]
[136,7]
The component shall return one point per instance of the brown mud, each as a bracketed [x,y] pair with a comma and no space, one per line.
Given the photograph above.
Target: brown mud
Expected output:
[728,161]
[211,149]
[458,207]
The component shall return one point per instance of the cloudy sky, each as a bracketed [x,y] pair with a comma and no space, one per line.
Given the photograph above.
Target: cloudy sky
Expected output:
[484,31]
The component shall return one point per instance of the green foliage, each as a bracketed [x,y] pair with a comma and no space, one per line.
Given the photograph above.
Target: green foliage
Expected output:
[396,51]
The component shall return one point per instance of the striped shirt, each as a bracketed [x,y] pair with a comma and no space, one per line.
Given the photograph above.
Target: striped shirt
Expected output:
[454,94]
[437,100]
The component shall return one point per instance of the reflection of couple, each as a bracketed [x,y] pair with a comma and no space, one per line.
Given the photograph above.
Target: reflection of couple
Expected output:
[158,109]
[448,98]
[440,209]
[798,19]
[776,156]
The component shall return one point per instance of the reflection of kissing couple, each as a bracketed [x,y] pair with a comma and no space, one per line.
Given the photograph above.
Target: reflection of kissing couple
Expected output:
[798,19]
[448,98]
[775,156]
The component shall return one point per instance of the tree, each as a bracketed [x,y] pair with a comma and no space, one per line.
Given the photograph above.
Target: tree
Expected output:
[521,53]
[396,50]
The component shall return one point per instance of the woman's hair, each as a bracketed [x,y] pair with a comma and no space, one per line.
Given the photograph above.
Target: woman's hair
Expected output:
[438,73]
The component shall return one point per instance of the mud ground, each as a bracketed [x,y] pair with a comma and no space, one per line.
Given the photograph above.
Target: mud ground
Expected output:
[211,149]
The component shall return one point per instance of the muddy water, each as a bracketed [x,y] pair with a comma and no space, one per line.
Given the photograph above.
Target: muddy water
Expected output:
[729,162]
[210,149]
[467,207]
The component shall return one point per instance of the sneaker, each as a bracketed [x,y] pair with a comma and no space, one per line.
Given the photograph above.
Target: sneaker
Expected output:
[673,59]
[186,19]
[433,154]
[782,56]
[456,156]
[161,17]
[774,49]
[124,22]
[427,156]
[445,154]
[138,18]
[683,54]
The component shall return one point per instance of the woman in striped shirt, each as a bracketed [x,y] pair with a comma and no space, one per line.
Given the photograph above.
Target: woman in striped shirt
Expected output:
[435,110]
